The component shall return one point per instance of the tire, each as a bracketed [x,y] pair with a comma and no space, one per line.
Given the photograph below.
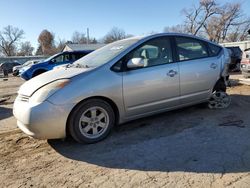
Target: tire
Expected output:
[91,121]
[36,73]
[15,73]
[219,97]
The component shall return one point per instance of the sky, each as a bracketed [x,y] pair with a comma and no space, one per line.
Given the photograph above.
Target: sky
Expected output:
[63,17]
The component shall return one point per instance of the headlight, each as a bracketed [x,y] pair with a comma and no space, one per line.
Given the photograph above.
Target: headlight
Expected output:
[46,91]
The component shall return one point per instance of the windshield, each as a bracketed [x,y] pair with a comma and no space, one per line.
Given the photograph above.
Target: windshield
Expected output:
[51,57]
[28,63]
[106,53]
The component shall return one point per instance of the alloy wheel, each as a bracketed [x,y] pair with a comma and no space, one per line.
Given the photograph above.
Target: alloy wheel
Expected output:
[93,122]
[219,99]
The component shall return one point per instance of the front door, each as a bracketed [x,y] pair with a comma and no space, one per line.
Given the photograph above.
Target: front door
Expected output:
[155,86]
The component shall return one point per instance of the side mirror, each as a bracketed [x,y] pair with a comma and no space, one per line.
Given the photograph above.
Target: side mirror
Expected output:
[136,63]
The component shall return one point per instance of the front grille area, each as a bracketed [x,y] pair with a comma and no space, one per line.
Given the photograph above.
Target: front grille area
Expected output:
[23,98]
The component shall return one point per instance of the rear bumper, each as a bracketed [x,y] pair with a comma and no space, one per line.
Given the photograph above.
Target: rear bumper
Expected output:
[43,121]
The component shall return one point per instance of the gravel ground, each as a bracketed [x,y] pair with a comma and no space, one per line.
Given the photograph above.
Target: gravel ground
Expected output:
[190,147]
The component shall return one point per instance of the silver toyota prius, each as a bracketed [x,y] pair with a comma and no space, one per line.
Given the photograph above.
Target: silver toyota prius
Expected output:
[122,81]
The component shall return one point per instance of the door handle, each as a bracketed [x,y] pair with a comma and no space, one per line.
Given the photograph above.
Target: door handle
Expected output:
[213,66]
[172,73]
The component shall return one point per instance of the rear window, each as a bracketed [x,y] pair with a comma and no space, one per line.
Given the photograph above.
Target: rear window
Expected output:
[214,50]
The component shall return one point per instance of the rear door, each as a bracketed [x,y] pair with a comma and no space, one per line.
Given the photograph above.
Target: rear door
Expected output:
[155,86]
[198,71]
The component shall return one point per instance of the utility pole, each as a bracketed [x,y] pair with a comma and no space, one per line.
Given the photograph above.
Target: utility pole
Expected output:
[87,35]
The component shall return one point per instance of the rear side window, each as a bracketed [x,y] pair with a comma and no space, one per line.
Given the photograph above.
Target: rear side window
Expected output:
[189,48]
[214,50]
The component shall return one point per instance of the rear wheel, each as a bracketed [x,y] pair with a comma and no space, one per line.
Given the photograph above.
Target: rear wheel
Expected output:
[91,121]
[219,97]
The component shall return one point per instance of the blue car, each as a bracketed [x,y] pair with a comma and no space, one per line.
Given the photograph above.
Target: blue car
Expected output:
[48,64]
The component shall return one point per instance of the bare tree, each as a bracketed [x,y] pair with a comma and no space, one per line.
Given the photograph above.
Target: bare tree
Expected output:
[229,17]
[239,32]
[39,50]
[217,22]
[9,38]
[180,28]
[46,40]
[26,49]
[93,41]
[196,17]
[229,25]
[79,38]
[60,45]
[114,34]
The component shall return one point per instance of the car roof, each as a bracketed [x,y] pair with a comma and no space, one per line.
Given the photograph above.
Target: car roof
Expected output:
[146,37]
[78,51]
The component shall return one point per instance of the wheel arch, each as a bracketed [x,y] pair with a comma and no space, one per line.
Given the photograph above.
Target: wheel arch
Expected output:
[106,99]
[220,85]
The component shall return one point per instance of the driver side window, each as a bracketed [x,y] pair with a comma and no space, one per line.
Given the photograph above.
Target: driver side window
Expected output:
[58,59]
[154,52]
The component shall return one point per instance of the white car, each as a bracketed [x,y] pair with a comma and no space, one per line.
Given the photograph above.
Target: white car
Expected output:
[16,69]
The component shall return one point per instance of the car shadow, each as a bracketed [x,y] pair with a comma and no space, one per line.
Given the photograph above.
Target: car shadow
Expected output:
[5,112]
[192,139]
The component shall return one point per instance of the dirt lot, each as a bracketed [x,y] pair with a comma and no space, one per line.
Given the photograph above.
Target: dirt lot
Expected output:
[191,147]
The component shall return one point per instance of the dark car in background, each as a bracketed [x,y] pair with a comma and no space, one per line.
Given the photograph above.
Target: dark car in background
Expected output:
[236,56]
[7,67]
[48,64]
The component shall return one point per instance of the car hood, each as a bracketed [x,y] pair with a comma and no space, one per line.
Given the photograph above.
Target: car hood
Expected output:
[17,67]
[29,87]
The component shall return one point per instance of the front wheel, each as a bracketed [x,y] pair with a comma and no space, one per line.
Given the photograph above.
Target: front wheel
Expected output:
[91,121]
